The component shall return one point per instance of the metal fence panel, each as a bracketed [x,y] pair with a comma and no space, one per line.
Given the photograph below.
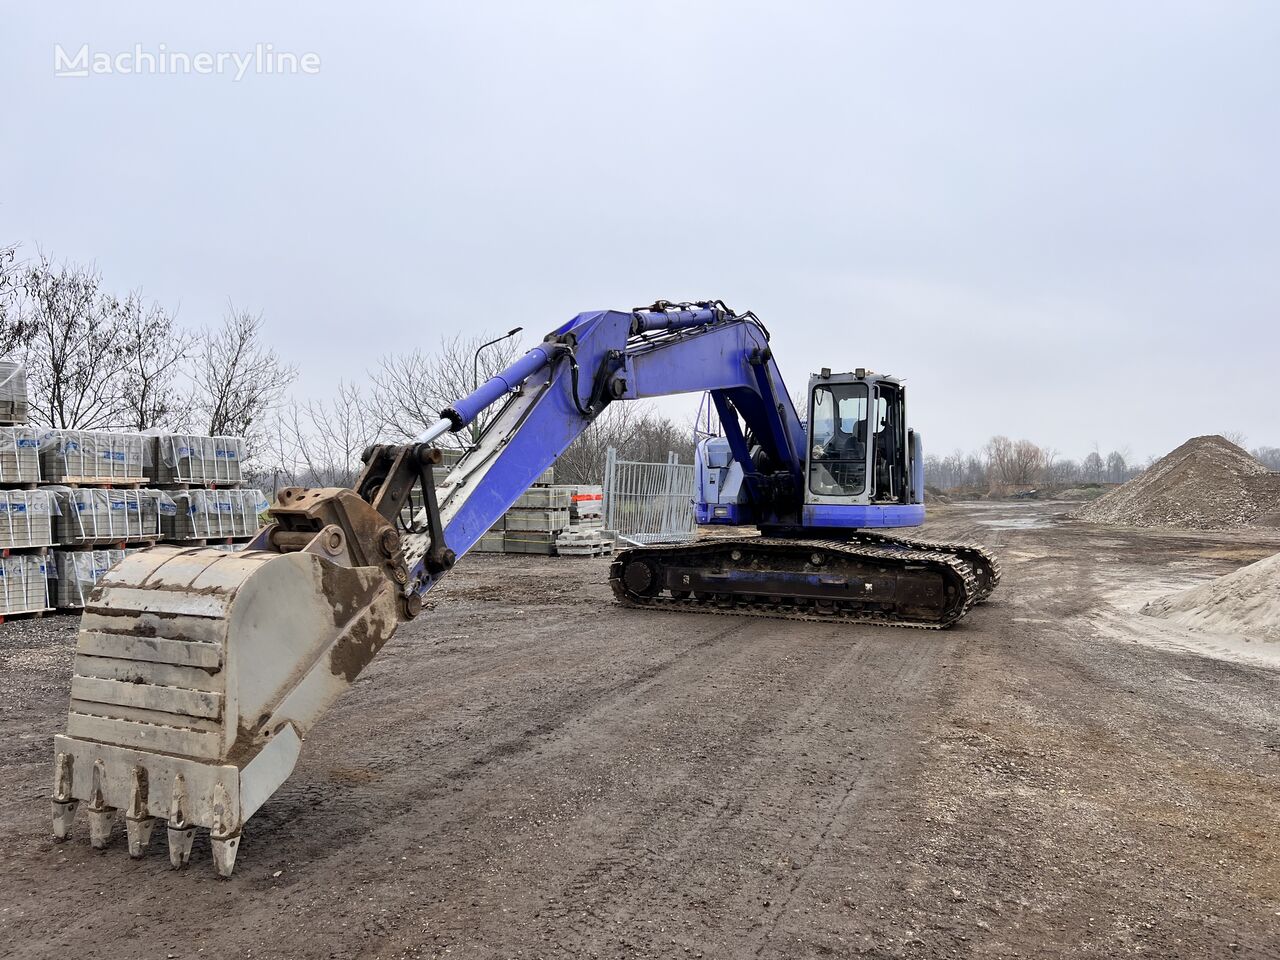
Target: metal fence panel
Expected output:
[649,502]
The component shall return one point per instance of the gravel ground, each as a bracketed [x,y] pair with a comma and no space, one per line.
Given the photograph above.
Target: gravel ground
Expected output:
[532,771]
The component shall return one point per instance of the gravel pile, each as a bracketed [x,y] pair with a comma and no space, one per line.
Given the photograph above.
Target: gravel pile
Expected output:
[1247,601]
[1208,483]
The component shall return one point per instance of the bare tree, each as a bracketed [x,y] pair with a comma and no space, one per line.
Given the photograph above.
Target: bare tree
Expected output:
[1117,467]
[636,430]
[1234,436]
[1093,468]
[1269,457]
[236,379]
[15,329]
[410,389]
[156,350]
[1014,462]
[76,356]
[318,444]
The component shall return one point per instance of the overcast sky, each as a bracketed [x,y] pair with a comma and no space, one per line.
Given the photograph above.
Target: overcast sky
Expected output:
[1058,221]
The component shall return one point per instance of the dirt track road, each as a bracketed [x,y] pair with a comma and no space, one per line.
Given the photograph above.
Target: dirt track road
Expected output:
[531,771]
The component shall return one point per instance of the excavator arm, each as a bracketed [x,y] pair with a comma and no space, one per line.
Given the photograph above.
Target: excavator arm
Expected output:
[199,672]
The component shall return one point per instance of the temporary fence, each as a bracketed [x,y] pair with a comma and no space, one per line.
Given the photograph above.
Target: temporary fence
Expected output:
[19,455]
[26,518]
[14,405]
[90,515]
[92,454]
[200,514]
[186,458]
[24,583]
[648,502]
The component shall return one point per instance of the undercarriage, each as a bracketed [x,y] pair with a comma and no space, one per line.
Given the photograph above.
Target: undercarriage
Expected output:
[868,578]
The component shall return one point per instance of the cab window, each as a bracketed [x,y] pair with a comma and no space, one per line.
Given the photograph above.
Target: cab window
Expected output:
[838,440]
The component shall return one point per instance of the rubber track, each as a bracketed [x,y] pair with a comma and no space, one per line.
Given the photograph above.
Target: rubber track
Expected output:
[894,554]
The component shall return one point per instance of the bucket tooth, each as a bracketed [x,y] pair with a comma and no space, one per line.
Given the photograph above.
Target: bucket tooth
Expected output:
[102,823]
[64,804]
[180,838]
[181,833]
[101,816]
[138,823]
[64,813]
[139,834]
[224,854]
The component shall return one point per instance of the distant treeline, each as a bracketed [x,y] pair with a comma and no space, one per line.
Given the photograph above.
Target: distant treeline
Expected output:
[1021,462]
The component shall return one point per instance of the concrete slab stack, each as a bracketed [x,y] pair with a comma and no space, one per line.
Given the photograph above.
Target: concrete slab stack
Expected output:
[193,459]
[73,574]
[586,536]
[536,519]
[203,477]
[27,519]
[15,407]
[223,515]
[94,456]
[26,514]
[24,584]
[97,515]
[86,493]
[19,456]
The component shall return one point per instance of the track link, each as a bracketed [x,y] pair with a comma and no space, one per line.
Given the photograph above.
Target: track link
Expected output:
[888,583]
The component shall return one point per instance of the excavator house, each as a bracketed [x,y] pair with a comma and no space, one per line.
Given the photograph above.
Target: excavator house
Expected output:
[198,672]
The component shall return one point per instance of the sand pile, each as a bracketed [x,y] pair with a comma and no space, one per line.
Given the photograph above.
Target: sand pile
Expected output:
[1247,601]
[1208,483]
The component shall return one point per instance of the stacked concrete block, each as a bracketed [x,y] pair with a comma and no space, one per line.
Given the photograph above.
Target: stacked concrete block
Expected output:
[211,514]
[492,540]
[586,506]
[544,498]
[179,458]
[24,583]
[19,455]
[14,404]
[92,455]
[26,518]
[88,515]
[584,543]
[535,521]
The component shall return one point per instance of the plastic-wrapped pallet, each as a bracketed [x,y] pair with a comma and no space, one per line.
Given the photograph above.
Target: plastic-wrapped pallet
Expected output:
[24,584]
[14,404]
[188,458]
[75,572]
[204,514]
[91,515]
[26,518]
[91,454]
[19,455]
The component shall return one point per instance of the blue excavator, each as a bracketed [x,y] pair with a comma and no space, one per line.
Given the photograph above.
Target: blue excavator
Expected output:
[198,672]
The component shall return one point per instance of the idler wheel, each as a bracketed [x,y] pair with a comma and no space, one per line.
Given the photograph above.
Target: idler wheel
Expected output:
[639,578]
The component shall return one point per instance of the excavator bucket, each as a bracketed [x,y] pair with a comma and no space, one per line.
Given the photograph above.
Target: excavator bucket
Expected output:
[198,672]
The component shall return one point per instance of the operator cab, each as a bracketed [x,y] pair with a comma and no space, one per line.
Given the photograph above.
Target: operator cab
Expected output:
[860,470]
